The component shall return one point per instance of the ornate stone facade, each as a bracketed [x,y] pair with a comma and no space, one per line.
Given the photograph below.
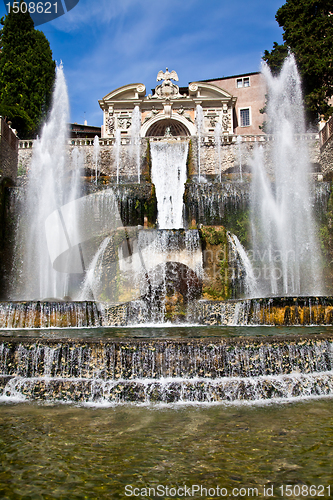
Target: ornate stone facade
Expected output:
[169,110]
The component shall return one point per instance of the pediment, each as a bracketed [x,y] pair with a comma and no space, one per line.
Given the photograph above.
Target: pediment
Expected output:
[127,92]
[209,91]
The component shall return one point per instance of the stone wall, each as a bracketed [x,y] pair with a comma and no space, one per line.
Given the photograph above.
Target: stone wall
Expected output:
[8,175]
[327,157]
[8,152]
[231,155]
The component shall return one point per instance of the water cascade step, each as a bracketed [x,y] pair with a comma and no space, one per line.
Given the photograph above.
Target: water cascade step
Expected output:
[276,311]
[49,314]
[264,311]
[167,371]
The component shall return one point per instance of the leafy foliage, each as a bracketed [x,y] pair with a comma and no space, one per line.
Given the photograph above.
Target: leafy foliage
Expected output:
[308,32]
[27,74]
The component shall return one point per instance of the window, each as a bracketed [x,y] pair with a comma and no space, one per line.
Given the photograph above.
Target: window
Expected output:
[244,117]
[243,82]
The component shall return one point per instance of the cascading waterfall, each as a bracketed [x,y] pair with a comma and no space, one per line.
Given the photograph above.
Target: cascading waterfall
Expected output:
[96,156]
[157,261]
[168,174]
[217,136]
[199,121]
[117,147]
[136,138]
[285,248]
[47,190]
[153,371]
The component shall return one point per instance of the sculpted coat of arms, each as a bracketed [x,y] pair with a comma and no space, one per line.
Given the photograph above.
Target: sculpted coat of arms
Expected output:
[167,90]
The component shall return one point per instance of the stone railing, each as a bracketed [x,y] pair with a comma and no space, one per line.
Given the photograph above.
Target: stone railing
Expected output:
[326,132]
[207,139]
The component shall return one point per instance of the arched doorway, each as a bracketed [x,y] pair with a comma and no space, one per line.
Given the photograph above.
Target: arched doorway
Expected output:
[167,127]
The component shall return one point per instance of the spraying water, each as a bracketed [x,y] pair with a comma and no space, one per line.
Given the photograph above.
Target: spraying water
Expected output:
[169,176]
[47,190]
[92,281]
[217,136]
[135,138]
[199,123]
[250,283]
[285,246]
[117,146]
[240,156]
[96,154]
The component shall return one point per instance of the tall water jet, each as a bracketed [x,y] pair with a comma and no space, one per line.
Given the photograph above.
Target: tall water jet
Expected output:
[117,146]
[96,154]
[217,136]
[135,138]
[240,156]
[285,248]
[47,189]
[199,123]
[169,177]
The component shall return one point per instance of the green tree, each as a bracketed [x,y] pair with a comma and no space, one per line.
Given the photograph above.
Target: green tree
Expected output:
[308,32]
[27,73]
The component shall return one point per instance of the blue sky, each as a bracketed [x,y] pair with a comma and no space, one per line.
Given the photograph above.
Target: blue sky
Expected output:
[105,44]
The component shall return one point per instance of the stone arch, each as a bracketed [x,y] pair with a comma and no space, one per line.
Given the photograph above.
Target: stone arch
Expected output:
[157,125]
[159,129]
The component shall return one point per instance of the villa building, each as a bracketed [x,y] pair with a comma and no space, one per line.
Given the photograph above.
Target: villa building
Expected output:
[249,89]
[233,102]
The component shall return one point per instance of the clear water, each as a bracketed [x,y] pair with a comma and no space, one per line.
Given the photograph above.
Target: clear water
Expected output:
[68,452]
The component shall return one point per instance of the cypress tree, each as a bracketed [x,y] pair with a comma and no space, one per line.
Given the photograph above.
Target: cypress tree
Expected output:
[27,74]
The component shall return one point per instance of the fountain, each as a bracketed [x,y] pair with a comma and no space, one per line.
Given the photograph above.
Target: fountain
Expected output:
[199,118]
[48,188]
[117,146]
[240,157]
[217,136]
[97,152]
[84,268]
[135,139]
[285,247]
[169,177]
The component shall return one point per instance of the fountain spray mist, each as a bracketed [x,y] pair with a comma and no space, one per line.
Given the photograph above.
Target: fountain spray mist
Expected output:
[47,190]
[285,247]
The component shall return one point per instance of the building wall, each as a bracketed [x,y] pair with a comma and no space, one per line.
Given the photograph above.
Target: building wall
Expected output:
[252,97]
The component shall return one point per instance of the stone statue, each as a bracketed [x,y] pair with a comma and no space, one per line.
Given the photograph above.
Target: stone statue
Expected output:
[167,75]
[167,90]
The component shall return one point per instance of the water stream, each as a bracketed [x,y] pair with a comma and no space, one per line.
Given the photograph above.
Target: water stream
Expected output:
[169,177]
[135,139]
[48,188]
[286,252]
